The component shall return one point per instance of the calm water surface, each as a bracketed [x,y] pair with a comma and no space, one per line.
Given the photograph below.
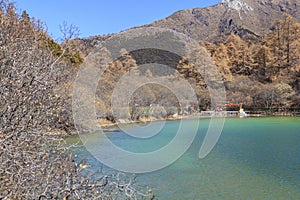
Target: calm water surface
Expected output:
[255,158]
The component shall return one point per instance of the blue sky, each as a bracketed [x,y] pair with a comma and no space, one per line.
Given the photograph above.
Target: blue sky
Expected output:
[98,17]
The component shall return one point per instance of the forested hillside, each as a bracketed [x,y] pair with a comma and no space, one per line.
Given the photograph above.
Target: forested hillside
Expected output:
[263,72]
[255,45]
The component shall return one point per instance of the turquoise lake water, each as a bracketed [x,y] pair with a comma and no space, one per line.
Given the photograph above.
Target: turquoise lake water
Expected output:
[255,158]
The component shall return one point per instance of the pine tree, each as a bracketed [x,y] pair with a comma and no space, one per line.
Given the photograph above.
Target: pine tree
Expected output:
[239,54]
[283,43]
[222,60]
[262,61]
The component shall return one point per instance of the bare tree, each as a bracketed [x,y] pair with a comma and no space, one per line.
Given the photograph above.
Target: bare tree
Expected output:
[69,31]
[35,112]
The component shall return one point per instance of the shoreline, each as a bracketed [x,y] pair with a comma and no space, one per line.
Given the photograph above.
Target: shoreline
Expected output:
[109,126]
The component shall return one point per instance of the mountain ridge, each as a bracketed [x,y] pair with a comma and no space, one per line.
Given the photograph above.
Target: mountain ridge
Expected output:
[213,22]
[240,17]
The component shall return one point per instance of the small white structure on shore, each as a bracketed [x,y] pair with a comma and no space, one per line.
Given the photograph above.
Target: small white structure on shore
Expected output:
[242,113]
[175,115]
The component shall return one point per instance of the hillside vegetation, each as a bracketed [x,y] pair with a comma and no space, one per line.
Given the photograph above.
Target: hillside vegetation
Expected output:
[259,61]
[261,72]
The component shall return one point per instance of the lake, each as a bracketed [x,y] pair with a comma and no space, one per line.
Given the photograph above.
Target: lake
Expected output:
[255,158]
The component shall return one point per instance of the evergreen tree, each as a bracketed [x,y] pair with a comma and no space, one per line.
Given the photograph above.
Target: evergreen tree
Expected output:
[262,61]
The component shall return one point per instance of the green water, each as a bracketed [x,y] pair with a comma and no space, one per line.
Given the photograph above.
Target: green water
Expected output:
[255,158]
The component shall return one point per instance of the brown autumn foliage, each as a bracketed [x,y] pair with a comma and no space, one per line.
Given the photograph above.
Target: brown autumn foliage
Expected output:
[251,68]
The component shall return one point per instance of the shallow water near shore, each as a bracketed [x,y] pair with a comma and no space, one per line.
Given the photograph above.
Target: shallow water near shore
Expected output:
[255,158]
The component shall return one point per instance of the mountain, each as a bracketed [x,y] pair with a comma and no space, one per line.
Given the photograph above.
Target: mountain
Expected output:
[263,73]
[239,16]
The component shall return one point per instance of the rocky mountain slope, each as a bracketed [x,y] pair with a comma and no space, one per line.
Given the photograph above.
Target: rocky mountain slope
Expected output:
[239,16]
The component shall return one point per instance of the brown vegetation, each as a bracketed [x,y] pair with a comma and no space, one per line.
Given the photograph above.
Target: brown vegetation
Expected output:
[260,70]
[262,73]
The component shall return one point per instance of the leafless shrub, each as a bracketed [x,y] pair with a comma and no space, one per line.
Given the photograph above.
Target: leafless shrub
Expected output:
[68,31]
[40,166]
[34,112]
